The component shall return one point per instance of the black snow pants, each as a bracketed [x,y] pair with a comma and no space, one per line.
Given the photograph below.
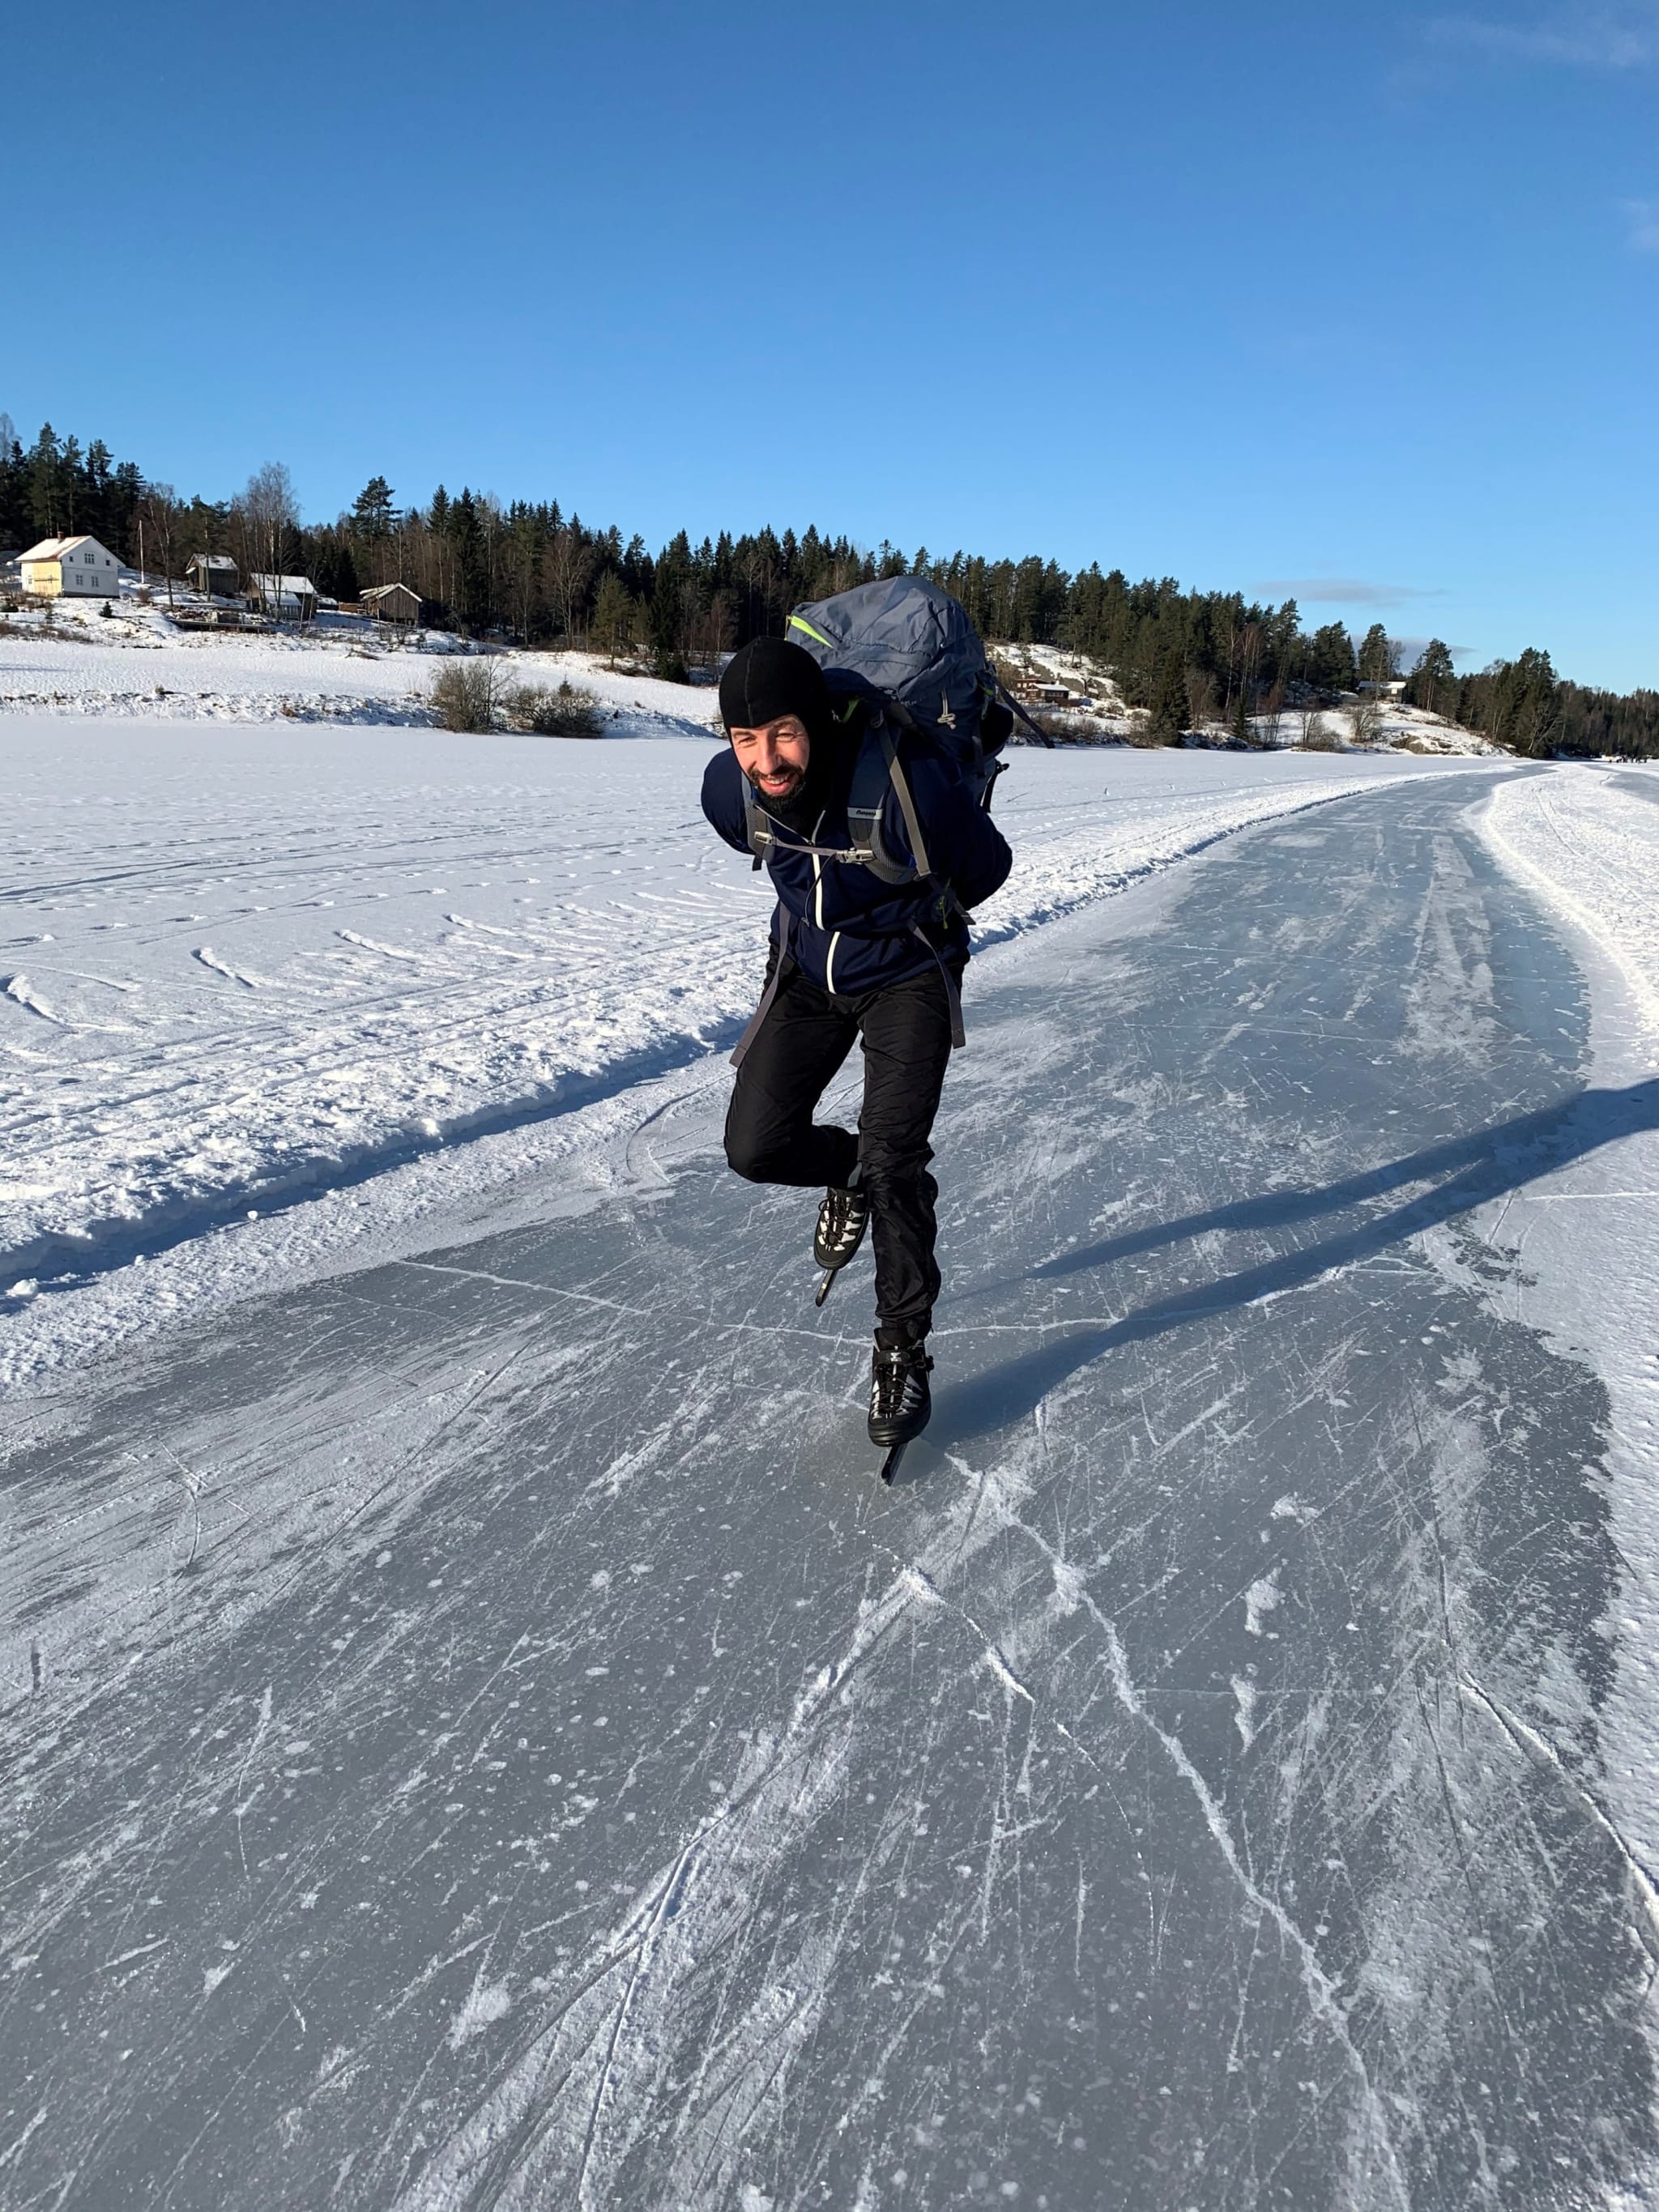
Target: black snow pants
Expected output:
[771,1137]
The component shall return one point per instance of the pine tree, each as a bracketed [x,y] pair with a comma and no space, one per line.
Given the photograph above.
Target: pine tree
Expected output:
[14,488]
[374,509]
[1433,684]
[44,494]
[1378,656]
[1169,701]
[615,617]
[1331,665]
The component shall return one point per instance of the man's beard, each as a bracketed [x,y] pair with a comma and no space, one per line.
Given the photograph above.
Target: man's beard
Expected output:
[780,794]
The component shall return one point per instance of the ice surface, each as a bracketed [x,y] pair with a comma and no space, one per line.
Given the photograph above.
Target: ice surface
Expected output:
[479,1735]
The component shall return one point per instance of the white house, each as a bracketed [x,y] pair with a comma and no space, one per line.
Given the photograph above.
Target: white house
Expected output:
[65,568]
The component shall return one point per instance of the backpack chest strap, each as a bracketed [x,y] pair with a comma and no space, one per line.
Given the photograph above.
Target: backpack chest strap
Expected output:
[876,770]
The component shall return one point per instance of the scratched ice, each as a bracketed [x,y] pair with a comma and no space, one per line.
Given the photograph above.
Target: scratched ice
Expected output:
[542,1769]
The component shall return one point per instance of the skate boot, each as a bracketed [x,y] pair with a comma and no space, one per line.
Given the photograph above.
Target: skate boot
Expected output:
[842,1219]
[901,1402]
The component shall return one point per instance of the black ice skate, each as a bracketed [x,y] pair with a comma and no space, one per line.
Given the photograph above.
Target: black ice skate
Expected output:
[842,1219]
[901,1402]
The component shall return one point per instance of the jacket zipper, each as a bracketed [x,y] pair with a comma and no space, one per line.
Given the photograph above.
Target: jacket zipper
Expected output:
[818,874]
[830,963]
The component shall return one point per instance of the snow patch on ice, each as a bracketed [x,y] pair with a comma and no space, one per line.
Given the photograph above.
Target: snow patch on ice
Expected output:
[486,2003]
[1260,1599]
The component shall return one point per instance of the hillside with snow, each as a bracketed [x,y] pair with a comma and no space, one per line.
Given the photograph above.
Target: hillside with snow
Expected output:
[138,661]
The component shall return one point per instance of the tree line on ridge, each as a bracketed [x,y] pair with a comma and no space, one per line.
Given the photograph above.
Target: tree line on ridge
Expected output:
[525,571]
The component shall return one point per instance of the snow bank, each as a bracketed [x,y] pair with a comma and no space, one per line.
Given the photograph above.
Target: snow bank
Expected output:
[1586,841]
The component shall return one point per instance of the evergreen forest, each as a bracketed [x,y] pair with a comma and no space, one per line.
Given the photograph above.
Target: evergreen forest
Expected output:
[528,573]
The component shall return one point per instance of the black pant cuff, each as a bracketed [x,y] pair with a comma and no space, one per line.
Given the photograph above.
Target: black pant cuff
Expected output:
[900,1335]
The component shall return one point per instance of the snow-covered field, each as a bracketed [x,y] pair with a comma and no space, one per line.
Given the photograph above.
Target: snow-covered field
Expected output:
[137,664]
[239,964]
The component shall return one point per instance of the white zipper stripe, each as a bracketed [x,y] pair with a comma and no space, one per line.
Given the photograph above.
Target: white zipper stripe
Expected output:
[818,874]
[830,963]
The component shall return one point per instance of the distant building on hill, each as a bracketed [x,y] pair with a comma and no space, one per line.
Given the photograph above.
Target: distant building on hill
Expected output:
[71,567]
[393,603]
[284,599]
[214,574]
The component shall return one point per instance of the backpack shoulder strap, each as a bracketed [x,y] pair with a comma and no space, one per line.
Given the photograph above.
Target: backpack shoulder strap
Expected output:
[754,824]
[876,770]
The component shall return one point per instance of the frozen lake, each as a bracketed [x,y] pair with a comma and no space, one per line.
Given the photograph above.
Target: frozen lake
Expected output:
[479,1736]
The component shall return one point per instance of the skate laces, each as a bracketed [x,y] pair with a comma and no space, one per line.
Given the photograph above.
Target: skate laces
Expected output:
[839,1208]
[891,1377]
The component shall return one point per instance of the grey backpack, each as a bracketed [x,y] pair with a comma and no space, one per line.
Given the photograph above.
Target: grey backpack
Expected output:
[901,657]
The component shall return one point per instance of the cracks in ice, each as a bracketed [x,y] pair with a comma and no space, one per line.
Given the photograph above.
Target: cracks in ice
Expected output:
[1323,1995]
[245,1805]
[1528,1739]
[616,1305]
[669,1935]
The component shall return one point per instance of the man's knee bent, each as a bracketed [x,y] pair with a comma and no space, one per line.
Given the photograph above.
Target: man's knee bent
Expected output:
[750,1155]
[757,1148]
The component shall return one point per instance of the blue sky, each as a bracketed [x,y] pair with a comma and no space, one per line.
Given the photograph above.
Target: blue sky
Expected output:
[1358,302]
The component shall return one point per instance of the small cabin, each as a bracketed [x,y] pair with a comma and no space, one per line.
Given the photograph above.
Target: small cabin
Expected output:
[71,567]
[284,599]
[213,574]
[393,603]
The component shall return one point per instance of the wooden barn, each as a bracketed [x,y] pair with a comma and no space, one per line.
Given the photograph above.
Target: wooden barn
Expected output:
[393,603]
[212,573]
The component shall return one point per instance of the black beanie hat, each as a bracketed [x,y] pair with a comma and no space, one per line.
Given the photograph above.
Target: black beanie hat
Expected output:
[769,678]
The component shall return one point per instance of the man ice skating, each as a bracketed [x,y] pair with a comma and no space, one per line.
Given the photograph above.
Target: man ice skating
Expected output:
[875,953]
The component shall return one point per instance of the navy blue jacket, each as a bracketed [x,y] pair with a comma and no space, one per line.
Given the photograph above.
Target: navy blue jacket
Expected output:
[849,932]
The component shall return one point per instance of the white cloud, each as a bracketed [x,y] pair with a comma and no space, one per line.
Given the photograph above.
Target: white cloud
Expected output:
[1642,219]
[1411,651]
[1618,37]
[1342,590]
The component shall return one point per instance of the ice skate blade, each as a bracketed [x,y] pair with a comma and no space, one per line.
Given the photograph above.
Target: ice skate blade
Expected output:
[889,1466]
[826,1286]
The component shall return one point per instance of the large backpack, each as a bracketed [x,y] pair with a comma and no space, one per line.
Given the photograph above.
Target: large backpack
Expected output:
[899,656]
